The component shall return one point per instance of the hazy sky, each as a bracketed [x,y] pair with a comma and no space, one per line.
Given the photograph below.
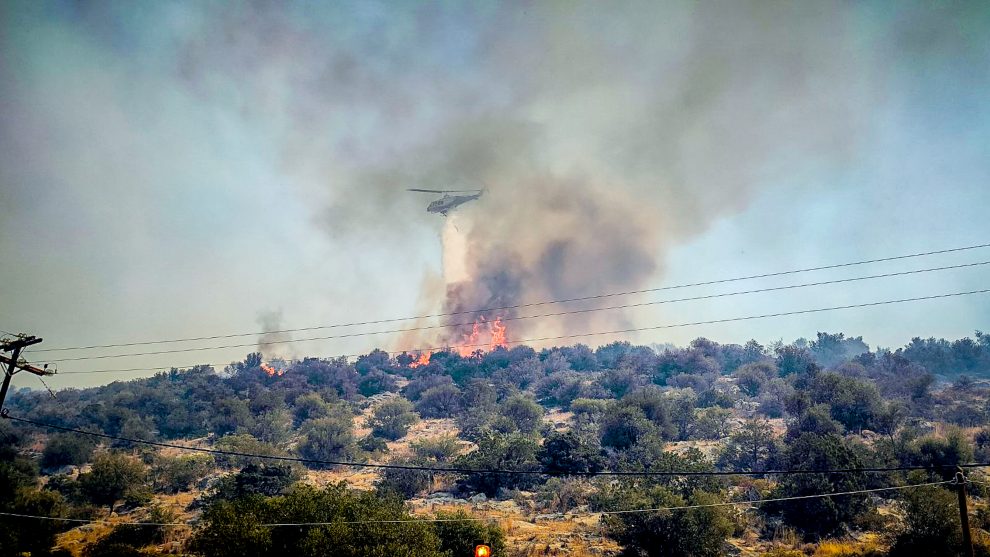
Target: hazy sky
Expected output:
[177,169]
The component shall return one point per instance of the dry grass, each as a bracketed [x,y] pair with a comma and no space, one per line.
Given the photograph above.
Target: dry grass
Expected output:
[850,548]
[425,429]
[558,537]
[783,552]
[559,419]
[356,478]
[526,535]
[76,540]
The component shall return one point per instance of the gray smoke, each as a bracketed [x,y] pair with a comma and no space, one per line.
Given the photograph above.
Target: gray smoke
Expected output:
[630,132]
[273,343]
[605,134]
[604,137]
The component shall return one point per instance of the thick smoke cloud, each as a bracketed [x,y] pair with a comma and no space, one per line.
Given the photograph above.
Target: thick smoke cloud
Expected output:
[196,150]
[623,136]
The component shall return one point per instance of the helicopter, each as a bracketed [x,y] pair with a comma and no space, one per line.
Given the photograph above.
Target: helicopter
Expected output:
[449,202]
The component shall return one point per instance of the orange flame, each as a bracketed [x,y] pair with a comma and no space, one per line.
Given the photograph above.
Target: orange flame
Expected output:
[422,360]
[271,371]
[469,342]
[474,342]
[498,339]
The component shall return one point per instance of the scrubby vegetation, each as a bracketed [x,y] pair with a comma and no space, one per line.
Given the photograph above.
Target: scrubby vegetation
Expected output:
[567,411]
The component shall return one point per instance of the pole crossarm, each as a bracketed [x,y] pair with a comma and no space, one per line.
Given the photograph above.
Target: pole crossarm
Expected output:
[13,362]
[19,342]
[26,367]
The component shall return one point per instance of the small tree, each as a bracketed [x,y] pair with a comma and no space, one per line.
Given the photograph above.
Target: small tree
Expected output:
[407,482]
[392,419]
[272,426]
[854,402]
[235,528]
[376,382]
[711,423]
[29,536]
[824,516]
[524,413]
[247,444]
[793,359]
[816,420]
[310,406]
[175,474]
[230,415]
[571,453]
[495,451]
[443,401]
[624,426]
[113,477]
[889,418]
[63,449]
[438,449]
[126,539]
[753,447]
[932,524]
[699,532]
[940,453]
[459,532]
[328,439]
[753,377]
[268,480]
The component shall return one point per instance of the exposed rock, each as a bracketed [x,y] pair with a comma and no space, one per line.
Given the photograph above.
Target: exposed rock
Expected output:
[869,435]
[479,498]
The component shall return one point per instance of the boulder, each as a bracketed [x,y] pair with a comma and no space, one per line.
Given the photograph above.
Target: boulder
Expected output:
[479,498]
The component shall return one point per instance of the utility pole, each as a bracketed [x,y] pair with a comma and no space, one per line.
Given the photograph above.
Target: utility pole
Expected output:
[13,365]
[960,481]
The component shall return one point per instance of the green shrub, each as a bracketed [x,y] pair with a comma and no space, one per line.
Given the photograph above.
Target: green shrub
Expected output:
[65,448]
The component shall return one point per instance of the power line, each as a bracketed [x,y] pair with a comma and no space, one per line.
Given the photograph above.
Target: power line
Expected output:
[776,499]
[681,473]
[533,304]
[539,316]
[615,332]
[415,520]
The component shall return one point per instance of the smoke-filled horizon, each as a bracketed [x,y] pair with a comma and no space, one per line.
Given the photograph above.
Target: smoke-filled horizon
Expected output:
[191,168]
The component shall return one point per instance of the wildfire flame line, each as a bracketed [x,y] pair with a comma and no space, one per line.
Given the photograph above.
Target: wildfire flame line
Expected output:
[496,334]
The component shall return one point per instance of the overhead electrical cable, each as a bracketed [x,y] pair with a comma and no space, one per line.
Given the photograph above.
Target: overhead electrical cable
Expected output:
[518,318]
[532,304]
[775,499]
[603,333]
[457,470]
[416,520]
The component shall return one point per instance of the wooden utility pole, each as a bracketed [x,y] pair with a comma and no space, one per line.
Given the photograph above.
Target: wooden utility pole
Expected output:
[12,363]
[960,481]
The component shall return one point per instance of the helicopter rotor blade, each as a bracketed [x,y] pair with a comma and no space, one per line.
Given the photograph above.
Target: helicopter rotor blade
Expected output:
[442,191]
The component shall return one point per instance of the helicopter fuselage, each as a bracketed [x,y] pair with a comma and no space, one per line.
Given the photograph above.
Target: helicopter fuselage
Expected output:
[449,202]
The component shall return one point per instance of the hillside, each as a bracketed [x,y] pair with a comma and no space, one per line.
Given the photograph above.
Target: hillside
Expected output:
[559,423]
